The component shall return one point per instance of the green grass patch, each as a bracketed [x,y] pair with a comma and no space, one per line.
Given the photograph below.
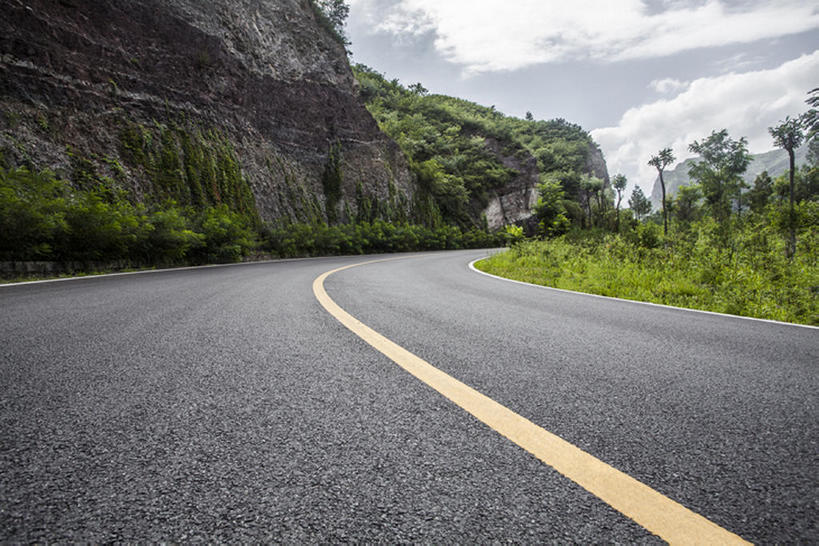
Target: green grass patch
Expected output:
[749,277]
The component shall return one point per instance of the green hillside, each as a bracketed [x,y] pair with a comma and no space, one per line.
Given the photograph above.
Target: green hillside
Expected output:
[462,151]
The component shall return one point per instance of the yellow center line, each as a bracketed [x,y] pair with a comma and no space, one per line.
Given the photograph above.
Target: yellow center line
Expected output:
[657,513]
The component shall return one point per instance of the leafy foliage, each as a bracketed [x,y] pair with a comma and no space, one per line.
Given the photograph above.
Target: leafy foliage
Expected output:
[193,167]
[379,236]
[639,203]
[43,217]
[332,15]
[454,146]
[692,268]
[723,160]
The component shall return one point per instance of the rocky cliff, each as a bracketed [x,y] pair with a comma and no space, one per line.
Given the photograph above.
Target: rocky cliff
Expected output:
[514,202]
[247,102]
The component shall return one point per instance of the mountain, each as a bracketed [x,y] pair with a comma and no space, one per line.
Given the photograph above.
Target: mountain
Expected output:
[480,165]
[253,104]
[775,162]
[244,102]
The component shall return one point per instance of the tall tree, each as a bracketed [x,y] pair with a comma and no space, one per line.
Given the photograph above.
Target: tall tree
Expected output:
[639,203]
[788,135]
[719,172]
[810,119]
[591,186]
[760,192]
[686,204]
[660,161]
[619,183]
[810,122]
[550,209]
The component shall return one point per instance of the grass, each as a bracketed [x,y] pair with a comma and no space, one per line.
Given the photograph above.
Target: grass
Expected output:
[738,281]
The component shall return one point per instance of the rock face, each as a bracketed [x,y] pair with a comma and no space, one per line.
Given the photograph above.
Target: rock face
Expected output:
[596,165]
[135,89]
[513,203]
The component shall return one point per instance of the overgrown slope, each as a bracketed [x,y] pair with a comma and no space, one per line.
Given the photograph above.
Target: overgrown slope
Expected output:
[474,163]
[244,103]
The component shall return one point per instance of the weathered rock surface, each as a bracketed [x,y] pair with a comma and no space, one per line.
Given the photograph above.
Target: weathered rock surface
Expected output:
[513,203]
[260,76]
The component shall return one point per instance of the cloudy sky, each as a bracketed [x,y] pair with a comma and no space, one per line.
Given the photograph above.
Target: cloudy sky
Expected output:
[640,75]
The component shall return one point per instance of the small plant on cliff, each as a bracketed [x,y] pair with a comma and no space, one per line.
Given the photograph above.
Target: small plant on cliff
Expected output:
[332,15]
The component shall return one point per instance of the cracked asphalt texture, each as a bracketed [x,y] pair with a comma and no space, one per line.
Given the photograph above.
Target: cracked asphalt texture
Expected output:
[225,405]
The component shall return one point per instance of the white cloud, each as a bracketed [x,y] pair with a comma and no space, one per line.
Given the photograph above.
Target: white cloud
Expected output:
[495,35]
[667,85]
[746,104]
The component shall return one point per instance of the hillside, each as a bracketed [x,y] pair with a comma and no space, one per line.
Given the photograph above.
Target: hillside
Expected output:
[184,131]
[475,162]
[200,101]
[775,162]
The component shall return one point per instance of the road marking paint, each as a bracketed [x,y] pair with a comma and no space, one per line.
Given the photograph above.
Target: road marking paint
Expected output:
[657,513]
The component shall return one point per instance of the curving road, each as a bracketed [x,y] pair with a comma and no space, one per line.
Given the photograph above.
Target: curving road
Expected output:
[225,404]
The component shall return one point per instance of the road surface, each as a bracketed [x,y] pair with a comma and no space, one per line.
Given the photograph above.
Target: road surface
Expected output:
[226,404]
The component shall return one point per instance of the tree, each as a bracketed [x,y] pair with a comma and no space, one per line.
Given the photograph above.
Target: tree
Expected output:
[723,160]
[591,186]
[529,116]
[418,89]
[336,12]
[686,204]
[660,161]
[788,135]
[760,192]
[810,119]
[550,209]
[639,203]
[619,183]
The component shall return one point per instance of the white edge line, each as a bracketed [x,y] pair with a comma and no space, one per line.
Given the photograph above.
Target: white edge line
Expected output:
[189,267]
[473,268]
[164,270]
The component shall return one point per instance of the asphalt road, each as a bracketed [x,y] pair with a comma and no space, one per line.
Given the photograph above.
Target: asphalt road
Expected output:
[225,404]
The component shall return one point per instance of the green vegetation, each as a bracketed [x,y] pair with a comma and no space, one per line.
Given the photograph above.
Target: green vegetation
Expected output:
[693,268]
[332,15]
[190,166]
[455,148]
[45,218]
[295,240]
[709,254]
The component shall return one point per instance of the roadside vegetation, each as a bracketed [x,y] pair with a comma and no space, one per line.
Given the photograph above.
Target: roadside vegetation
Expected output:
[46,218]
[716,245]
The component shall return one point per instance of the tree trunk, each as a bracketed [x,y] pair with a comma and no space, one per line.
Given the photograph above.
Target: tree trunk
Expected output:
[617,220]
[665,217]
[792,216]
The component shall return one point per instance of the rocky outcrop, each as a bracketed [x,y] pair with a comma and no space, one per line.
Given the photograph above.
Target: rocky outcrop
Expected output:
[142,90]
[513,203]
[596,165]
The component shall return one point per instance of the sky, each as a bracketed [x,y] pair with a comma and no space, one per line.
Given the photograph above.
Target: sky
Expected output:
[639,75]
